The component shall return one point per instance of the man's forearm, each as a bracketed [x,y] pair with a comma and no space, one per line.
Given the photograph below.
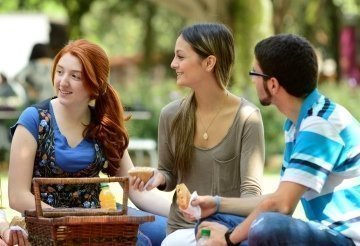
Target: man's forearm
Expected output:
[248,207]
[241,232]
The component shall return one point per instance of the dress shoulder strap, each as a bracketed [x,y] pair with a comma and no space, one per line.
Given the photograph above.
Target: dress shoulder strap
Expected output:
[44,104]
[41,106]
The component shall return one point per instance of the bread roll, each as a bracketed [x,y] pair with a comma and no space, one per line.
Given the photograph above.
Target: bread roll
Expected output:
[182,196]
[144,173]
[18,221]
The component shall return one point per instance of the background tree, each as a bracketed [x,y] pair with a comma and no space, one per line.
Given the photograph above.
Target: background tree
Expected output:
[302,17]
[245,18]
[148,29]
[75,11]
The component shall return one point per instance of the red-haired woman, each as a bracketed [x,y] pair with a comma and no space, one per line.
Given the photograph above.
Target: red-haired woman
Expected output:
[78,133]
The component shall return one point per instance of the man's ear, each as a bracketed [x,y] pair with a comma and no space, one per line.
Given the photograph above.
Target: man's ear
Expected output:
[210,62]
[273,85]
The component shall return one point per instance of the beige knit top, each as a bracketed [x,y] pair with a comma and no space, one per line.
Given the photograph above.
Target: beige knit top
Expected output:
[232,168]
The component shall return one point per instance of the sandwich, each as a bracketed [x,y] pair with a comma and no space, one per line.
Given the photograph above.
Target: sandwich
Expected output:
[182,196]
[144,173]
[18,221]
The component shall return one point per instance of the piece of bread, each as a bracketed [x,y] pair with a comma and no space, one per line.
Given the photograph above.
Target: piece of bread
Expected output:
[144,173]
[18,221]
[182,196]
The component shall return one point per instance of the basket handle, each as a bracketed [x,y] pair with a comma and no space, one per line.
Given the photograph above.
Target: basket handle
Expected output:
[124,181]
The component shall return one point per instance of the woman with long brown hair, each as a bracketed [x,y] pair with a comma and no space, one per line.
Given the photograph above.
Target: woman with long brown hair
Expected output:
[78,133]
[211,140]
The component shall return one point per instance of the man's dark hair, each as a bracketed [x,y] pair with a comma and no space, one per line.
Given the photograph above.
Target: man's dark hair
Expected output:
[291,60]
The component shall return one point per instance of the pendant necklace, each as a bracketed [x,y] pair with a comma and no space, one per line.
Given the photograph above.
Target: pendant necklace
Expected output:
[205,135]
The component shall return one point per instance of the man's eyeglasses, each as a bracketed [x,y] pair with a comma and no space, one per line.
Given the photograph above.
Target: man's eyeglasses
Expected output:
[253,73]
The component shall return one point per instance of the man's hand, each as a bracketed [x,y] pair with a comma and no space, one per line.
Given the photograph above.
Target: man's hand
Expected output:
[15,237]
[217,232]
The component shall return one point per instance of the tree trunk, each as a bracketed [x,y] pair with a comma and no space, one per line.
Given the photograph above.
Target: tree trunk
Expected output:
[244,17]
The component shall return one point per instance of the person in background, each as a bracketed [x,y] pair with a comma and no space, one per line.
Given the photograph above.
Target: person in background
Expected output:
[11,236]
[35,77]
[6,93]
[211,140]
[11,94]
[11,99]
[5,88]
[321,164]
[78,133]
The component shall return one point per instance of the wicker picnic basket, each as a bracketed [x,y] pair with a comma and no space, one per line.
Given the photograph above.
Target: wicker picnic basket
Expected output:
[81,226]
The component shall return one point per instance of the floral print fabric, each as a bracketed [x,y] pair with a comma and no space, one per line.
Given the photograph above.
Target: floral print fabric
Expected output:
[84,195]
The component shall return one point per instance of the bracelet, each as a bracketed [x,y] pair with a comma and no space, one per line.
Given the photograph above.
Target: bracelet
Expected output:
[217,201]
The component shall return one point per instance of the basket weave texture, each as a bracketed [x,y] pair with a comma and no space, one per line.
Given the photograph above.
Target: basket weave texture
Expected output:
[80,226]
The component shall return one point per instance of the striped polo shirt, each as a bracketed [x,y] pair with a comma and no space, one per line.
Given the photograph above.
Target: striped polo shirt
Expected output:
[323,153]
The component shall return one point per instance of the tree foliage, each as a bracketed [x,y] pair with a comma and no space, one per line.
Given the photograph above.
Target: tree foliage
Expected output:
[76,10]
[243,17]
[302,17]
[150,27]
[318,20]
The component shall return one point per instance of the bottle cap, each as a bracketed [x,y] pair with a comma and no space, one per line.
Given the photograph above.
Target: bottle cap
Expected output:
[205,232]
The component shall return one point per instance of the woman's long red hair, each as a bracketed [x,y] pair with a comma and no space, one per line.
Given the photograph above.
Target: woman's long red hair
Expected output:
[108,129]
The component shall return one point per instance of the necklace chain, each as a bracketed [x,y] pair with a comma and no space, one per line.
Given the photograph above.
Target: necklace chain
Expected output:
[205,135]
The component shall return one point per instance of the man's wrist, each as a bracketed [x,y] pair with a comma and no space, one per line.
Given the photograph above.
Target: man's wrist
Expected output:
[227,237]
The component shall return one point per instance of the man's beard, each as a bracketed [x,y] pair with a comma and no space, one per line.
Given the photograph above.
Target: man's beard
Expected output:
[267,100]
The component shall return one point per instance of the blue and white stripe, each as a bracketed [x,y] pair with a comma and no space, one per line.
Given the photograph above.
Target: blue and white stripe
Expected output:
[323,153]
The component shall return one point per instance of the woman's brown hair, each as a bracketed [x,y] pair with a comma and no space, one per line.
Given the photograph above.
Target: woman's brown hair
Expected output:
[205,39]
[108,126]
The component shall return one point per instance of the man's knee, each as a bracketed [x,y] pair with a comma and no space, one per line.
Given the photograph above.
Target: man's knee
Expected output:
[266,228]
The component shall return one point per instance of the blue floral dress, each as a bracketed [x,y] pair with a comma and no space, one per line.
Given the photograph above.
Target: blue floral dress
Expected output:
[85,195]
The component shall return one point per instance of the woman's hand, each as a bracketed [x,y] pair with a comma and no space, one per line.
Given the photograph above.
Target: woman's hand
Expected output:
[207,204]
[2,243]
[156,180]
[15,237]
